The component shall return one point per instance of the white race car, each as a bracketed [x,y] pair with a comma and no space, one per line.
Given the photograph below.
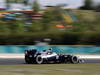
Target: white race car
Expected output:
[33,56]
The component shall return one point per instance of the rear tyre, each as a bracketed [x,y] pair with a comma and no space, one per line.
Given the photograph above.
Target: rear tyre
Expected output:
[39,59]
[27,60]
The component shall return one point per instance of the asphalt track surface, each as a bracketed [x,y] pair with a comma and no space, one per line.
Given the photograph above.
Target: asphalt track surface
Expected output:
[20,61]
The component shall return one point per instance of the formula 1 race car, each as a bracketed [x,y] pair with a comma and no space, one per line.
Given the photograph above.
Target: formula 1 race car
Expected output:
[47,56]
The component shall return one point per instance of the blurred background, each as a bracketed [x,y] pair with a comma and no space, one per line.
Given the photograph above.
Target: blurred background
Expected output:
[57,22]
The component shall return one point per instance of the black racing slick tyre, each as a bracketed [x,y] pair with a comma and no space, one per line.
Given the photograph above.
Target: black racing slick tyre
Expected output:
[27,60]
[74,60]
[39,59]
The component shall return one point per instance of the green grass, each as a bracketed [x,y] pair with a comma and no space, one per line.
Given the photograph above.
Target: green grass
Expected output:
[51,69]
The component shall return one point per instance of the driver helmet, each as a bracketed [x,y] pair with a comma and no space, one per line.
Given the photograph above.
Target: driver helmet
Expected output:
[50,48]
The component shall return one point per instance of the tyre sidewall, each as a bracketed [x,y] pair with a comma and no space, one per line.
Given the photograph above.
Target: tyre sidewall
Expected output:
[39,59]
[74,59]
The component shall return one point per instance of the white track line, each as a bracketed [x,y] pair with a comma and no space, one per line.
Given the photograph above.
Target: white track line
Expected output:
[11,56]
[21,56]
[89,56]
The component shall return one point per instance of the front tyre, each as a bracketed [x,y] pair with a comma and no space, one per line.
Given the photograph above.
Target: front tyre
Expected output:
[74,60]
[39,59]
